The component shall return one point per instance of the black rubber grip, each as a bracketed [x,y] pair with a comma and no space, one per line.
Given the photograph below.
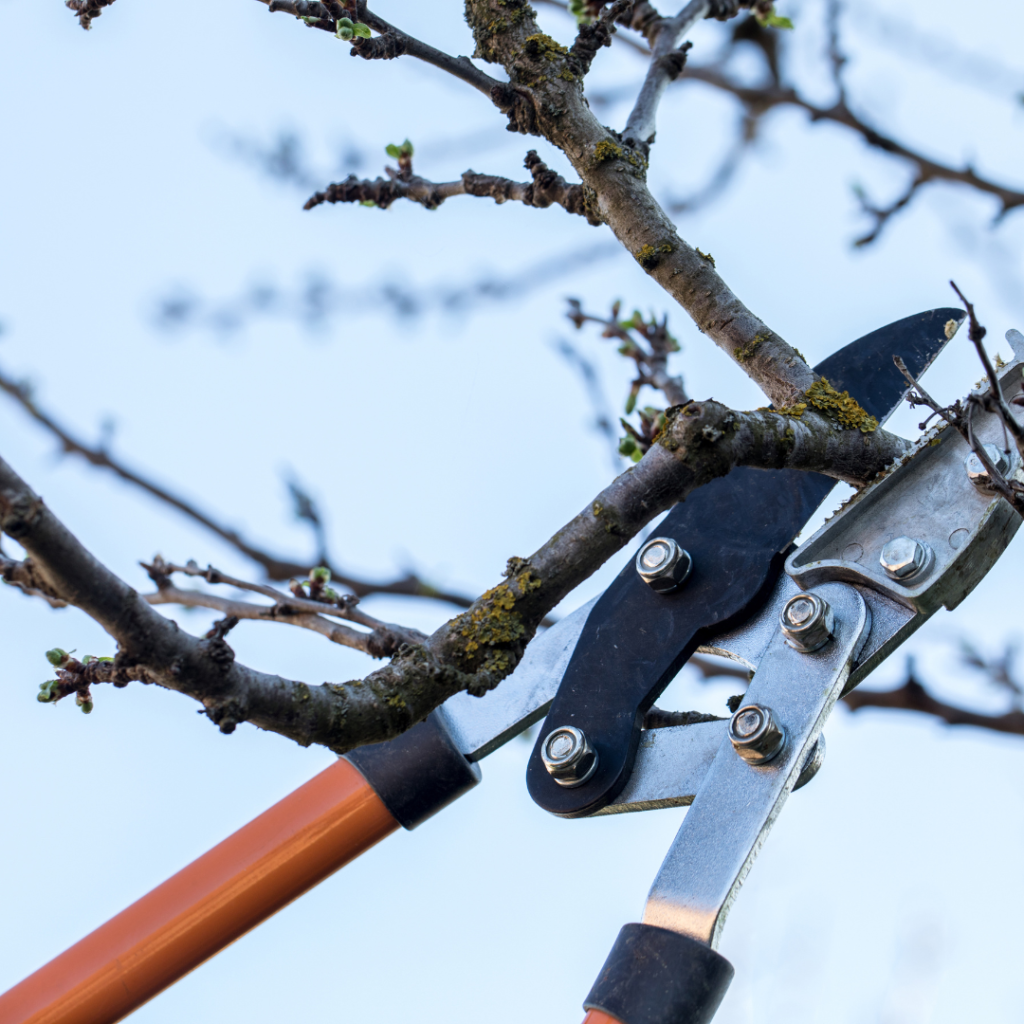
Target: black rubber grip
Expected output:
[654,976]
[418,773]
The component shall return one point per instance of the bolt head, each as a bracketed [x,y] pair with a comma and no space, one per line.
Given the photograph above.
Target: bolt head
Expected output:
[663,565]
[568,756]
[755,735]
[807,622]
[903,558]
[976,471]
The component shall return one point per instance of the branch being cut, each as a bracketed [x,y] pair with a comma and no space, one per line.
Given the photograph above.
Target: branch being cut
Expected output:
[475,650]
[547,188]
[276,568]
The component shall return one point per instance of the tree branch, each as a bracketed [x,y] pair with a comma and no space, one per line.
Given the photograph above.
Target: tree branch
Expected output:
[391,43]
[666,64]
[308,612]
[759,100]
[276,568]
[475,650]
[86,10]
[546,189]
[912,696]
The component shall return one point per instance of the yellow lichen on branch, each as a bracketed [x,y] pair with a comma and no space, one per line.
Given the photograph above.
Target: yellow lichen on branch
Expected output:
[493,623]
[838,406]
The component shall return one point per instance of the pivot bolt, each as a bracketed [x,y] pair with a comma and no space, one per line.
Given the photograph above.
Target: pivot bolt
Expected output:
[976,471]
[663,565]
[755,734]
[807,622]
[905,558]
[568,756]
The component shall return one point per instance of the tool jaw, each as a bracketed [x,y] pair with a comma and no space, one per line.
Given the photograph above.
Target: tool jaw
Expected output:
[929,499]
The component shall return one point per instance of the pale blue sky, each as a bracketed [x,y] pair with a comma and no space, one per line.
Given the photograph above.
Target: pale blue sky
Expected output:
[891,884]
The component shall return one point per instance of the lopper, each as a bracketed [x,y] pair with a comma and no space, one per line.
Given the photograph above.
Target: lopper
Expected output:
[721,577]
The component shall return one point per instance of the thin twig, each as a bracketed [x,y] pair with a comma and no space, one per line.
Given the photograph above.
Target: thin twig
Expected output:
[275,567]
[666,64]
[547,188]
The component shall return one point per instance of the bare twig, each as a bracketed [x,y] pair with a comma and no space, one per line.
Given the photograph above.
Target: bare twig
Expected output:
[546,189]
[390,43]
[912,696]
[310,600]
[647,343]
[667,63]
[275,567]
[759,100]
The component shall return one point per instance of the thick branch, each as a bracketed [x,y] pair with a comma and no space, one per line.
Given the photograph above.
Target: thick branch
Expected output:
[475,650]
[276,568]
[546,189]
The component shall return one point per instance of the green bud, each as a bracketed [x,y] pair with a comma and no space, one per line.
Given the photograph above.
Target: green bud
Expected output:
[637,455]
[361,30]
[627,446]
[57,656]
[630,403]
[321,574]
[86,707]
[331,595]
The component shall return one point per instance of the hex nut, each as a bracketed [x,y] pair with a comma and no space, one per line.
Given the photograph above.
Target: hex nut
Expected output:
[807,622]
[976,471]
[568,756]
[755,734]
[663,565]
[905,559]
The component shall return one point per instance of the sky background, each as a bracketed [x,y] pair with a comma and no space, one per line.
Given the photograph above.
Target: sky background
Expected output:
[890,890]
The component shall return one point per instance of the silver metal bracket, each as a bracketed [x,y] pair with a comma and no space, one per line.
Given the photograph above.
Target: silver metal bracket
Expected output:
[737,803]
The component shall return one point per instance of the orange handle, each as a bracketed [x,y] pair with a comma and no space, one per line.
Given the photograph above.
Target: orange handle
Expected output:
[206,906]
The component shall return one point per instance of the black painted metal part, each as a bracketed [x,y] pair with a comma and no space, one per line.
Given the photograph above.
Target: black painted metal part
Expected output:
[418,773]
[737,529]
[654,976]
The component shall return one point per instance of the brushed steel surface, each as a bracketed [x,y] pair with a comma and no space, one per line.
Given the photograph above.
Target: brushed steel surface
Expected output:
[737,803]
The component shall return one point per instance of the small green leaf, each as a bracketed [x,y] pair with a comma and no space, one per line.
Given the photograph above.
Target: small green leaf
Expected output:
[392,151]
[57,656]
[630,403]
[86,706]
[626,446]
[773,20]
[367,202]
[637,455]
[321,573]
[361,30]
